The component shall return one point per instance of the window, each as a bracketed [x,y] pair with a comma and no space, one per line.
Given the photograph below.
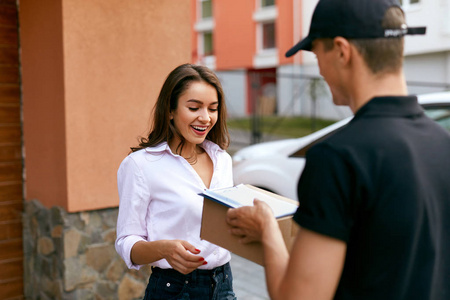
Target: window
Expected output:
[268,36]
[265,17]
[208,44]
[206,8]
[265,3]
[205,28]
[205,33]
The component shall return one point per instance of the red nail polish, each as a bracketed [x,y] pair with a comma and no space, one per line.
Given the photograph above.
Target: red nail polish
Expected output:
[201,259]
[205,263]
[197,250]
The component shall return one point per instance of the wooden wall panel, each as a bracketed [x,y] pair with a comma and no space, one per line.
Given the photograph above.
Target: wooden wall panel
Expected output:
[11,249]
[7,55]
[11,171]
[11,288]
[10,134]
[9,74]
[8,14]
[8,36]
[11,189]
[10,230]
[11,211]
[9,93]
[10,153]
[9,113]
[11,269]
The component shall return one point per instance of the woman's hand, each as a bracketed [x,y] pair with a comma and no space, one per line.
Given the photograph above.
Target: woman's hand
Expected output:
[182,256]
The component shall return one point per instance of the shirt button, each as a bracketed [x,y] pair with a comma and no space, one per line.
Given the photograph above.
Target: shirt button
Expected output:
[186,282]
[168,284]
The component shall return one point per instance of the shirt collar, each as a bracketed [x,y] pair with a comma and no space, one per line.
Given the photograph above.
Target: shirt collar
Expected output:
[402,106]
[162,147]
[210,147]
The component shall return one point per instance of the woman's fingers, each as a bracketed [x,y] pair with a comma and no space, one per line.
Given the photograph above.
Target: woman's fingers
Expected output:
[182,258]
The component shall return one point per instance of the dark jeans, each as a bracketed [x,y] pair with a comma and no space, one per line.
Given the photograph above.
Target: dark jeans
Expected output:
[168,284]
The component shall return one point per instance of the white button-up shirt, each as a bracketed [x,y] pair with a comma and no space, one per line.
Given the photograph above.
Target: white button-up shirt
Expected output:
[159,200]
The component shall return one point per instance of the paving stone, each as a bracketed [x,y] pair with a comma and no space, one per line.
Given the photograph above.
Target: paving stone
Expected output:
[248,279]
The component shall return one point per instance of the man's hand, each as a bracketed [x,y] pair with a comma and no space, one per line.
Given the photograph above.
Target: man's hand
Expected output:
[251,222]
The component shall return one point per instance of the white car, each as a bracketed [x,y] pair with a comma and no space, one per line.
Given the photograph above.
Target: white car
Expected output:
[276,166]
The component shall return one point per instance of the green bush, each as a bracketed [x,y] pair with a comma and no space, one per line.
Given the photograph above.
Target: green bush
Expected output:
[280,126]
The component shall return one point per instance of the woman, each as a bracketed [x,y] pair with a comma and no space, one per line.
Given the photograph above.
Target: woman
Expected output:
[160,210]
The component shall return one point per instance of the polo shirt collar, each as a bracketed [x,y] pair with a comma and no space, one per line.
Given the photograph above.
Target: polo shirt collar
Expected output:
[401,106]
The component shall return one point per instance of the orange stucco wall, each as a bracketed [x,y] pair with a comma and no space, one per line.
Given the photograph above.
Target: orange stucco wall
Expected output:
[234,34]
[194,39]
[105,62]
[285,27]
[43,100]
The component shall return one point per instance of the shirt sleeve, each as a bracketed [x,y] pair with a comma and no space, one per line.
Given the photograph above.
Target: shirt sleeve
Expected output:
[325,193]
[134,201]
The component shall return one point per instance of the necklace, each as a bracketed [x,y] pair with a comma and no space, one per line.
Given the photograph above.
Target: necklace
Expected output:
[193,159]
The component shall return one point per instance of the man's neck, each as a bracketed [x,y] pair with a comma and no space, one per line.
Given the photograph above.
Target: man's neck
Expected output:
[370,86]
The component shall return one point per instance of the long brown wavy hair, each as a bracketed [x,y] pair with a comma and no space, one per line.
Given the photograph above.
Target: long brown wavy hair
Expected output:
[176,83]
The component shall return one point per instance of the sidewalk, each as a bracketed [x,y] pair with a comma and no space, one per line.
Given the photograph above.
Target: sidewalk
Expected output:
[249,281]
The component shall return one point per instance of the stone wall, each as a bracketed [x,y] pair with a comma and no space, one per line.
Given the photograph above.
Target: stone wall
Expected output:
[72,256]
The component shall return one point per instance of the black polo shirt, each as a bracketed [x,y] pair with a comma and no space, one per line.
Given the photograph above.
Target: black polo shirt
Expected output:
[382,185]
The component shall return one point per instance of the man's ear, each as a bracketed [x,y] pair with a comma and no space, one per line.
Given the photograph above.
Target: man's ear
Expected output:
[344,50]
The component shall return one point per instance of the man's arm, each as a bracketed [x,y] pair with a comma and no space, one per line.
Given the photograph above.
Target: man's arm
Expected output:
[314,267]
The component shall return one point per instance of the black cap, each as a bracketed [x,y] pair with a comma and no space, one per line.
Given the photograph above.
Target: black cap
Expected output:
[357,19]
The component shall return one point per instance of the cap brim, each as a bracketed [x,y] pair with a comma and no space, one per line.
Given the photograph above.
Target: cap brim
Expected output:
[305,44]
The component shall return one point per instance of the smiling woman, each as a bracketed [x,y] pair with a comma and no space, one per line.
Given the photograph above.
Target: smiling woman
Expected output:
[159,184]
[195,115]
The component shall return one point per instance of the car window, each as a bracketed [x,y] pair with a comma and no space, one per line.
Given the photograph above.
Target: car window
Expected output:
[441,114]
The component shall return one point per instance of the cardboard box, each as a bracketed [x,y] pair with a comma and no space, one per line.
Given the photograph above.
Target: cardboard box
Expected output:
[215,230]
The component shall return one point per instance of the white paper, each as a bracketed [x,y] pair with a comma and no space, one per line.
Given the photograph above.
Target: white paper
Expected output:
[242,195]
